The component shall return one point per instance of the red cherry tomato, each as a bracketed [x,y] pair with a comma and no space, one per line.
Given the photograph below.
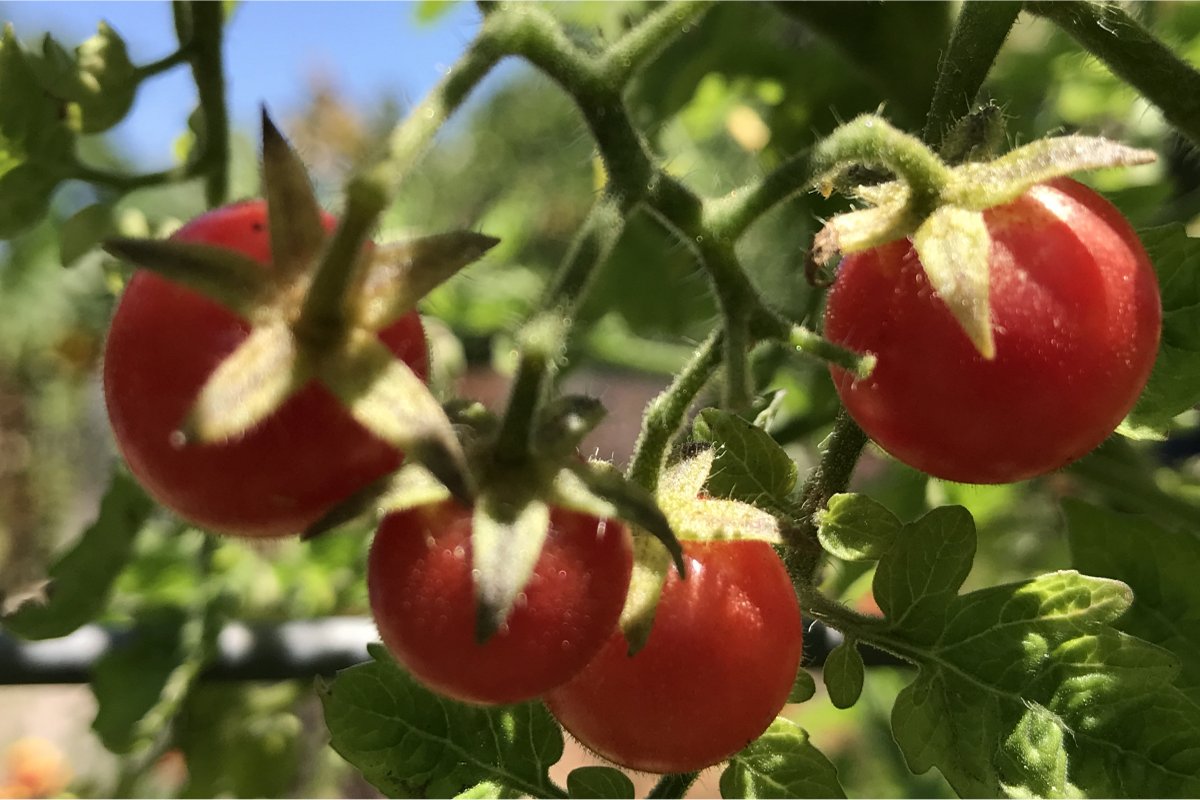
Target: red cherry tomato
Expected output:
[280,476]
[423,598]
[1076,317]
[718,666]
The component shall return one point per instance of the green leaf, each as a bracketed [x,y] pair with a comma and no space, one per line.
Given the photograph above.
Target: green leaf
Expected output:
[748,465]
[141,686]
[804,687]
[1035,757]
[1160,567]
[1046,643]
[854,527]
[843,674]
[919,577]
[599,783]
[83,577]
[954,247]
[1174,384]
[36,146]
[99,80]
[781,763]
[402,737]
[506,541]
[83,230]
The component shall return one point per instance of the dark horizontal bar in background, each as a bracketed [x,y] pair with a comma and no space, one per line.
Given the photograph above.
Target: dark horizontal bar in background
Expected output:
[300,649]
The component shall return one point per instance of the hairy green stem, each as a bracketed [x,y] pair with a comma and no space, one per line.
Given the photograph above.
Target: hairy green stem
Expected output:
[978,34]
[590,248]
[541,342]
[208,69]
[730,216]
[1133,53]
[830,476]
[674,785]
[814,344]
[127,183]
[324,318]
[666,412]
[180,56]
[643,41]
[411,138]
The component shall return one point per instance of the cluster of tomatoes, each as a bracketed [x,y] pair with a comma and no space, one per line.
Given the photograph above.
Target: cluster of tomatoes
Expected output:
[1075,312]
[725,646]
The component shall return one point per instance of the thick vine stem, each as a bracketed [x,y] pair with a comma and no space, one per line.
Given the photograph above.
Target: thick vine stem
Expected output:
[666,412]
[830,476]
[208,70]
[673,785]
[1129,50]
[645,39]
[541,343]
[590,248]
[730,216]
[978,34]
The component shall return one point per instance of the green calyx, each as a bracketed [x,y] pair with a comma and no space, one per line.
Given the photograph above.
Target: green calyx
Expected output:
[941,206]
[520,467]
[315,315]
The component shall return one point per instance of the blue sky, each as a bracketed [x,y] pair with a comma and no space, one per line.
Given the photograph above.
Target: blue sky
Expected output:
[271,50]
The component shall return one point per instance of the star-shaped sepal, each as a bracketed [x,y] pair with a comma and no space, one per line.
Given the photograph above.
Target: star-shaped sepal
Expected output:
[315,313]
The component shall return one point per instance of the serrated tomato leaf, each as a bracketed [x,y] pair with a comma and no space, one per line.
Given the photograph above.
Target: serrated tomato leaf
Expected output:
[748,465]
[781,763]
[919,576]
[1012,663]
[82,578]
[402,736]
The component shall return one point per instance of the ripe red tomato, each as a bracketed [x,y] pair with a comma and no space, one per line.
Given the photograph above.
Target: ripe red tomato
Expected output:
[423,598]
[718,666]
[1076,317]
[280,476]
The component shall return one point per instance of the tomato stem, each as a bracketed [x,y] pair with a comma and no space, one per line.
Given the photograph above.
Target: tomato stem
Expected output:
[674,785]
[829,477]
[652,33]
[541,342]
[979,32]
[665,414]
[1129,50]
[206,23]
[804,340]
[325,316]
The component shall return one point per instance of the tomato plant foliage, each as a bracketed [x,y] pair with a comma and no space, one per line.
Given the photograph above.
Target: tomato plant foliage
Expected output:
[984,317]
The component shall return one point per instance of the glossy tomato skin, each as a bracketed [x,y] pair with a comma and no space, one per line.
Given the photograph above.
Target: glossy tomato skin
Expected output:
[1076,316]
[280,476]
[423,599]
[718,666]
